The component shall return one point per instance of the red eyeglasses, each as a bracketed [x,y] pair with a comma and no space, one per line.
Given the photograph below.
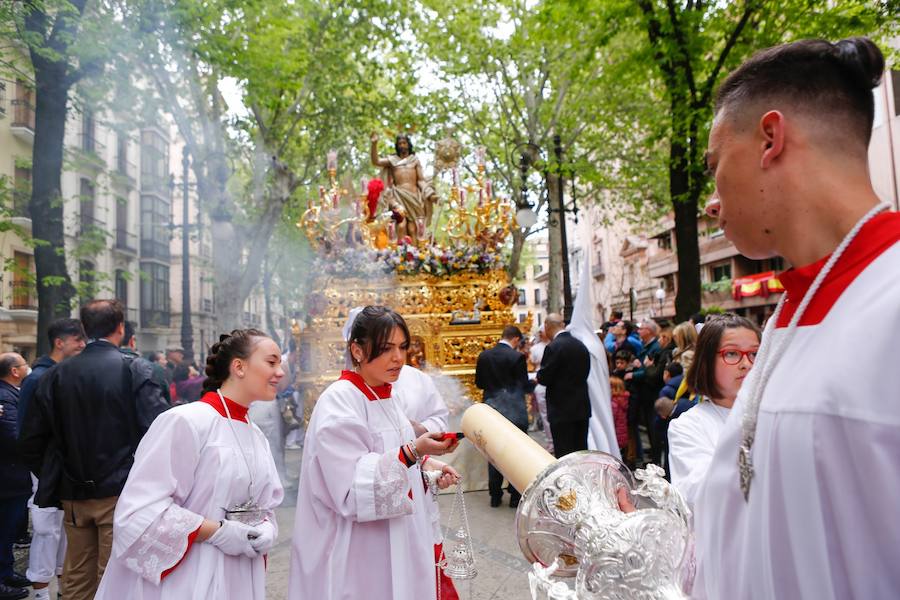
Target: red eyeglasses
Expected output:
[732,356]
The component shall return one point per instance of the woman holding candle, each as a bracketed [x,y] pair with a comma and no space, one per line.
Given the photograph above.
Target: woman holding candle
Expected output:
[363,526]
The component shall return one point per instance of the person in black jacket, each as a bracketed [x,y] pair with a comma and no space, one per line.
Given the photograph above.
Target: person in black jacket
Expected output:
[502,373]
[67,339]
[564,370]
[16,482]
[80,434]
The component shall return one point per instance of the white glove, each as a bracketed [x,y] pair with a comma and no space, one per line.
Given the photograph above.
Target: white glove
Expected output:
[233,538]
[266,539]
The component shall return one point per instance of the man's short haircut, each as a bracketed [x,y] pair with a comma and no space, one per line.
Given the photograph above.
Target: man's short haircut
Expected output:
[63,328]
[7,361]
[629,327]
[511,332]
[832,82]
[651,325]
[624,354]
[701,376]
[617,314]
[130,328]
[674,369]
[101,318]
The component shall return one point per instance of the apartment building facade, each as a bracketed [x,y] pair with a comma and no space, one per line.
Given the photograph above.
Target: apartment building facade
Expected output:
[122,204]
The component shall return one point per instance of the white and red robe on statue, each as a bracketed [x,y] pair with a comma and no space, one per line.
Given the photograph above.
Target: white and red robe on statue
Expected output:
[188,467]
[821,522]
[363,526]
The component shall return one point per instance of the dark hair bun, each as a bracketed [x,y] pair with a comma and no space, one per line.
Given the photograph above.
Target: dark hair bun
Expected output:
[862,56]
[237,344]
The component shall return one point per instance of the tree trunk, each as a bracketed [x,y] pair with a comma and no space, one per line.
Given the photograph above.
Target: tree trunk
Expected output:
[684,203]
[515,257]
[54,287]
[267,298]
[554,275]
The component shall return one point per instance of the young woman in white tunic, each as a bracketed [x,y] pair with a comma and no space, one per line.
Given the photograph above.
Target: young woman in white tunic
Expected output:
[724,355]
[363,526]
[172,538]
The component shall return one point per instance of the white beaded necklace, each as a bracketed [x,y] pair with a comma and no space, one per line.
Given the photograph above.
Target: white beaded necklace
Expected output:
[766,361]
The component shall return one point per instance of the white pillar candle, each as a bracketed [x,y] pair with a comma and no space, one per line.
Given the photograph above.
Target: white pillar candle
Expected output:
[508,448]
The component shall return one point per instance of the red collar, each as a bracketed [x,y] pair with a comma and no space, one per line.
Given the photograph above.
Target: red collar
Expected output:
[383,392]
[238,412]
[876,237]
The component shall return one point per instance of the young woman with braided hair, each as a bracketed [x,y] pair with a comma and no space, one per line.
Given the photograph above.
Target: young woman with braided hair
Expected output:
[196,517]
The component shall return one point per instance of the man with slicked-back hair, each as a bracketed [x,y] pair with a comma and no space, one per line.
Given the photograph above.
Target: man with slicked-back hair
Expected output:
[800,499]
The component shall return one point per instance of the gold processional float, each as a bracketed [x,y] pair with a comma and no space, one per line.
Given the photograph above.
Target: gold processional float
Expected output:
[449,282]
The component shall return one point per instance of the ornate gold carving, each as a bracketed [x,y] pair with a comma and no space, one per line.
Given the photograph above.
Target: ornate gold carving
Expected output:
[567,501]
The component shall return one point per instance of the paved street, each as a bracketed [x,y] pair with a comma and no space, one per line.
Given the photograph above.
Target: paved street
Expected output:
[501,568]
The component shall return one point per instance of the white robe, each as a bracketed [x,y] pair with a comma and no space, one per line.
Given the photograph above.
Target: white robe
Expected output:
[357,533]
[187,468]
[821,522]
[692,439]
[420,400]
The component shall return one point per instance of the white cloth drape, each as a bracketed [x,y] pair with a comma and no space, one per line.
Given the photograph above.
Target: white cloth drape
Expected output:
[601,431]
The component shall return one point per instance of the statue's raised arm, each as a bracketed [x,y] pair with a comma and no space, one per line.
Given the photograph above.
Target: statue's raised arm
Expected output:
[376,160]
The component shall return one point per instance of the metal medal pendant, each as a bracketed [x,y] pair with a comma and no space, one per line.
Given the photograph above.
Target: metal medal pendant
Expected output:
[248,513]
[745,466]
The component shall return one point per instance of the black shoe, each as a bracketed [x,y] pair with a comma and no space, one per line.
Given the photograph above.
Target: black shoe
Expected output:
[495,501]
[12,593]
[514,501]
[17,580]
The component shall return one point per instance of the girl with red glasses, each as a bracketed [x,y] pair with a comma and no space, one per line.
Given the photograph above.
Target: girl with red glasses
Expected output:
[724,355]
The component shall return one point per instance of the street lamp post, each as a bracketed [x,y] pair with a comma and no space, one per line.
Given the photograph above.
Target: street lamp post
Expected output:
[660,294]
[561,209]
[187,329]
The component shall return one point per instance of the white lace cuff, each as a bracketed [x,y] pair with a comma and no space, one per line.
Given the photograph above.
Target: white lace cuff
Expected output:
[382,487]
[162,544]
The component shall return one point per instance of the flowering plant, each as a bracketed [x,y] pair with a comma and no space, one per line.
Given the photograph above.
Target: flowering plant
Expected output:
[408,259]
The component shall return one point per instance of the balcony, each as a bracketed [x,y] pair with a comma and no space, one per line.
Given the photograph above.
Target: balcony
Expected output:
[90,225]
[155,249]
[133,315]
[23,296]
[598,271]
[206,306]
[126,241]
[125,172]
[22,125]
[154,318]
[19,208]
[205,250]
[662,263]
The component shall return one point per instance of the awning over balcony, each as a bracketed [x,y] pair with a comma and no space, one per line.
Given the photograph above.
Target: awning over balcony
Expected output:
[761,284]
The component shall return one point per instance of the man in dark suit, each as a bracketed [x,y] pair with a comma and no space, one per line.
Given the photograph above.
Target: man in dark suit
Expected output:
[564,370]
[502,373]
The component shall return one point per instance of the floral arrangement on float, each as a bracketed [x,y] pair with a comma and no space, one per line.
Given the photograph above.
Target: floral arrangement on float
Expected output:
[359,235]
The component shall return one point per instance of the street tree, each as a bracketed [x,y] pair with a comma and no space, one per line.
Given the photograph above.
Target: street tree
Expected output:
[687,48]
[312,75]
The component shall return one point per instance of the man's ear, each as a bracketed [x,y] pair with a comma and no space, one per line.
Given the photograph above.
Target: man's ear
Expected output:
[772,131]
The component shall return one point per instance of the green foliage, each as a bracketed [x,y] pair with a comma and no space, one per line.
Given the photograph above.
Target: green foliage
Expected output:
[721,286]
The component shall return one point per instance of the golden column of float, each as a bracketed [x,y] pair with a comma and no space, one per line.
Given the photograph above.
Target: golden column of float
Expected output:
[570,521]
